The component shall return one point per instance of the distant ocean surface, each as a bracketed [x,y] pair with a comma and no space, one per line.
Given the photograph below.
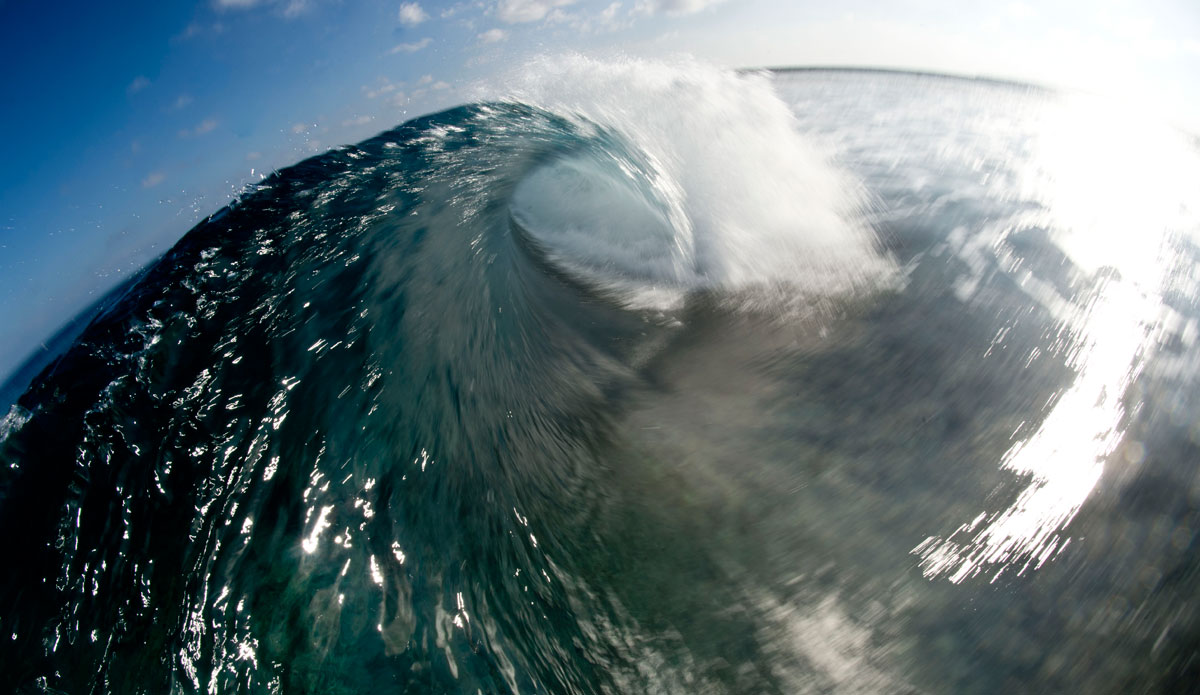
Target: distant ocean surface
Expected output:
[644,378]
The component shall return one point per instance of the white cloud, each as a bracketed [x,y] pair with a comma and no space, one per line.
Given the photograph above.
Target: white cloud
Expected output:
[253,156]
[411,14]
[298,128]
[360,120]
[288,8]
[206,126]
[425,79]
[610,12]
[608,19]
[674,7]
[295,8]
[181,101]
[386,88]
[410,47]
[558,16]
[195,29]
[153,179]
[139,83]
[492,36]
[518,11]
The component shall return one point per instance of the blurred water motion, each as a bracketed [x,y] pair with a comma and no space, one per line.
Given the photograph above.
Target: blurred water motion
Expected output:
[1085,194]
[685,381]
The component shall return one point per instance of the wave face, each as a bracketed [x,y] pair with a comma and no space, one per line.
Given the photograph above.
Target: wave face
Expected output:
[609,386]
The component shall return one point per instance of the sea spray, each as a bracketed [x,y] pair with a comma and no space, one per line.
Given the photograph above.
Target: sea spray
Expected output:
[726,193]
[379,426]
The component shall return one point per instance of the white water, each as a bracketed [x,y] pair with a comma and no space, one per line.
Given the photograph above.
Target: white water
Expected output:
[729,196]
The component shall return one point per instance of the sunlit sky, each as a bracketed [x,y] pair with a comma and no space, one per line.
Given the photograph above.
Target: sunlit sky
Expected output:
[125,123]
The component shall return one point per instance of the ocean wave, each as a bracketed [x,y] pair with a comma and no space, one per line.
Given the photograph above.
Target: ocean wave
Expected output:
[702,180]
[400,355]
[605,383]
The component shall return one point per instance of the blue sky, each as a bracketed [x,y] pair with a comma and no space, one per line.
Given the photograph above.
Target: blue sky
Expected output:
[125,123]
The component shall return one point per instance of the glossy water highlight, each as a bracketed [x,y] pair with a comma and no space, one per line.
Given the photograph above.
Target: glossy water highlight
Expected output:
[568,392]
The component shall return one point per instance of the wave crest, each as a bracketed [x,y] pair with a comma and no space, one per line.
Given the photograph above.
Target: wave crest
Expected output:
[715,188]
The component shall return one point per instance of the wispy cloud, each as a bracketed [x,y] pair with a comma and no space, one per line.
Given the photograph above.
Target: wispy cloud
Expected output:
[385,88]
[206,126]
[195,29]
[519,11]
[492,36]
[410,47]
[358,120]
[139,83]
[153,179]
[674,7]
[609,16]
[295,8]
[608,19]
[411,14]
[181,101]
[288,8]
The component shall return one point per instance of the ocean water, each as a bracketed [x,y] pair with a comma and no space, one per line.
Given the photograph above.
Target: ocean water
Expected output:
[641,378]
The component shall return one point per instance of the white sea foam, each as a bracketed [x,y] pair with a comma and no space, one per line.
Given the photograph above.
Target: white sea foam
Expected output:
[729,196]
[13,421]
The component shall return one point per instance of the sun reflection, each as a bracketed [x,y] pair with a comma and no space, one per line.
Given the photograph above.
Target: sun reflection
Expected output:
[376,574]
[314,539]
[1112,191]
[1065,456]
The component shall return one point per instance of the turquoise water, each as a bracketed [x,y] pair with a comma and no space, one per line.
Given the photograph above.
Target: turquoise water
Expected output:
[646,378]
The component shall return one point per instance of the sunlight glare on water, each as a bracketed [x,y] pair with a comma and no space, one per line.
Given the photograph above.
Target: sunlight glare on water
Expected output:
[1107,184]
[395,421]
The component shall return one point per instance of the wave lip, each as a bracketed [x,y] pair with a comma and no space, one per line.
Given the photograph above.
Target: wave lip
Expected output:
[710,186]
